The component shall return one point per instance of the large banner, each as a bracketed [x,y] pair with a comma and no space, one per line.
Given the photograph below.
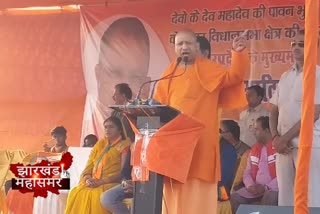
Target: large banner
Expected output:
[134,43]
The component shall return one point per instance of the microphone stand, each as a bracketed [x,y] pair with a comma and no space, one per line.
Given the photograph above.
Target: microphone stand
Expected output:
[152,101]
[138,101]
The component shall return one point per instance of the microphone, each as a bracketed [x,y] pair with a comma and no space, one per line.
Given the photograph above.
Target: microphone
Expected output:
[185,60]
[179,59]
[165,77]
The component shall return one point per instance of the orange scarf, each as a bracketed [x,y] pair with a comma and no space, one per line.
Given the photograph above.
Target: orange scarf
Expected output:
[97,169]
[210,76]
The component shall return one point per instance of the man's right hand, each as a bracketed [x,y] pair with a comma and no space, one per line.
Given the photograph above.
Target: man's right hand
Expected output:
[252,189]
[46,147]
[93,183]
[281,145]
[256,189]
[127,186]
[239,43]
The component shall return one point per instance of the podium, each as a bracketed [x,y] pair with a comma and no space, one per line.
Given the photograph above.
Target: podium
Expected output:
[148,119]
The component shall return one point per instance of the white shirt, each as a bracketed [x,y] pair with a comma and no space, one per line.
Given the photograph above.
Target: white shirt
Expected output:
[247,120]
[288,98]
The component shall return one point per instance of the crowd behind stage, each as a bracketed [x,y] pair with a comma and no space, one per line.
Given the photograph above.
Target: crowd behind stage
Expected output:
[258,153]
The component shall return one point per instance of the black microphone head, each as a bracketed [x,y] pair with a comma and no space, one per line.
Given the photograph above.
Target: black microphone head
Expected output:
[185,59]
[179,59]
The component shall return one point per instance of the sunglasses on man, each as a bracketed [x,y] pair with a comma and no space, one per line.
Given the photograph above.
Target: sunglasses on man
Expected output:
[299,44]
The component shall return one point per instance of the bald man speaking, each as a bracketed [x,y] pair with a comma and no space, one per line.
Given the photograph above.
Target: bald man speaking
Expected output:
[203,89]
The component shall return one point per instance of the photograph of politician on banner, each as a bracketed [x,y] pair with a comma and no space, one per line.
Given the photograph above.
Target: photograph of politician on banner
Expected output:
[119,49]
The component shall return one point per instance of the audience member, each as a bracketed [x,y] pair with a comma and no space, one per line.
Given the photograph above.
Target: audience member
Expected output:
[121,96]
[204,46]
[259,177]
[285,121]
[230,132]
[102,171]
[228,160]
[113,198]
[90,140]
[59,136]
[18,202]
[248,117]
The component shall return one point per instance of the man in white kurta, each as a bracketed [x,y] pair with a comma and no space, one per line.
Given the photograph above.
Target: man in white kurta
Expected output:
[285,126]
[248,117]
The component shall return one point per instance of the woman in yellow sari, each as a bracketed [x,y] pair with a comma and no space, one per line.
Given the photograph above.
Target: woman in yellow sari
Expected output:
[102,171]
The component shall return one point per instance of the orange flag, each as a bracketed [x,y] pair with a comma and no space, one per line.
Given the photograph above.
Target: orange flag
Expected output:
[170,150]
[307,113]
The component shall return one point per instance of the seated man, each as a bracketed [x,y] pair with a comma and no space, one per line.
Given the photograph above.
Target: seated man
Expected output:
[204,46]
[90,140]
[121,96]
[228,159]
[59,136]
[18,202]
[112,199]
[230,132]
[260,175]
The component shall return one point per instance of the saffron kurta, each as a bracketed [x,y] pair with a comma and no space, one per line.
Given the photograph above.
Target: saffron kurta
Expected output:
[84,200]
[200,92]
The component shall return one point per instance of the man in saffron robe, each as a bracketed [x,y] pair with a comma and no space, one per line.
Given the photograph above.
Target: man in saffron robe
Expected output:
[200,90]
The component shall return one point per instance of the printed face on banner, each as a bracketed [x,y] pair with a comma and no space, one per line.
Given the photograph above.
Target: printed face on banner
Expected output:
[118,49]
[124,57]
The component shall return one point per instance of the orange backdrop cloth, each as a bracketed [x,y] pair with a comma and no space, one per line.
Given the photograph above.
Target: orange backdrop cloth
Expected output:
[41,84]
